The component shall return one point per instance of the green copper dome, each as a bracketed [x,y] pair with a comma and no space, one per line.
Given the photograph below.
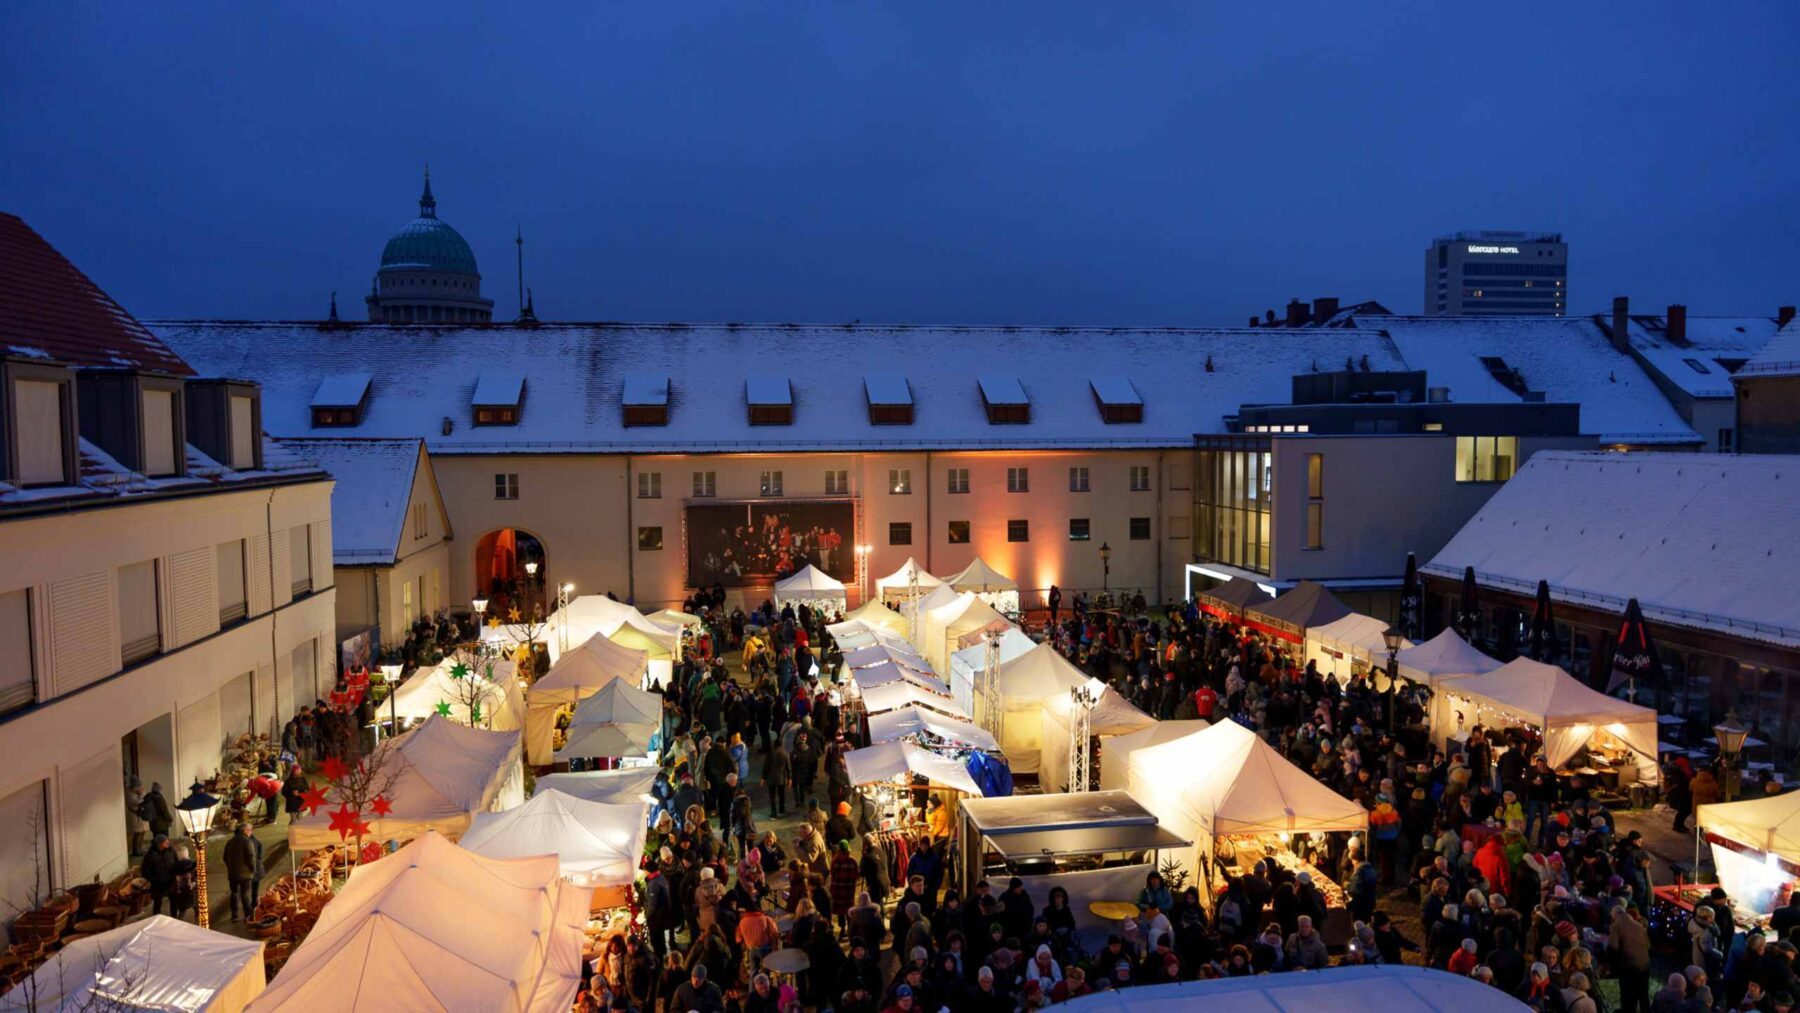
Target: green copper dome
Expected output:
[427,243]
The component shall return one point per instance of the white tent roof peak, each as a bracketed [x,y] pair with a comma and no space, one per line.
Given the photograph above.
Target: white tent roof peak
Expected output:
[887,761]
[809,578]
[159,963]
[1239,784]
[902,578]
[596,843]
[1548,692]
[1443,655]
[979,576]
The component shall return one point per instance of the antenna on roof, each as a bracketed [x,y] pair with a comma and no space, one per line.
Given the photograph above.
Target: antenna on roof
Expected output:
[334,317]
[527,315]
[427,203]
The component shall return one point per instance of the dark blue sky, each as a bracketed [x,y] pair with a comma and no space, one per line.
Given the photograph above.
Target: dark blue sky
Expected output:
[1036,162]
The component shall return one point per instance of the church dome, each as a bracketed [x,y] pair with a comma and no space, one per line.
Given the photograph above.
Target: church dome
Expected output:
[428,243]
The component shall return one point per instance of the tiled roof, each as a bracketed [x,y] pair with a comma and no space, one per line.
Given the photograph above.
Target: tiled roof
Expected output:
[368,504]
[50,310]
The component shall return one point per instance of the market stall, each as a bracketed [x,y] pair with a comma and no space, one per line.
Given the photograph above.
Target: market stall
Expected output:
[955,625]
[1061,832]
[898,586]
[1026,683]
[855,634]
[597,844]
[470,689]
[937,597]
[912,720]
[1388,988]
[1354,644]
[968,664]
[1229,600]
[1288,617]
[576,675]
[1608,739]
[812,587]
[626,784]
[867,678]
[433,927]
[1445,656]
[589,614]
[877,613]
[159,963]
[1108,715]
[987,583]
[893,775]
[442,774]
[1115,753]
[1755,848]
[894,695]
[1241,801]
[617,720]
[883,653]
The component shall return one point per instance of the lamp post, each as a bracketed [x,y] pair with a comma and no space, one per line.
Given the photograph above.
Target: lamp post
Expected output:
[562,612]
[531,572]
[1731,736]
[862,569]
[390,675]
[196,814]
[1105,568]
[1391,637]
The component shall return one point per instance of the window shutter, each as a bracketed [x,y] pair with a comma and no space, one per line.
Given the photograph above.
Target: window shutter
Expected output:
[197,741]
[84,643]
[280,578]
[37,406]
[259,575]
[91,827]
[159,432]
[321,555]
[243,435]
[17,687]
[194,594]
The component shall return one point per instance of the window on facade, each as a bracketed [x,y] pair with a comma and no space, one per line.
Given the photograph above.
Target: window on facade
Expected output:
[1725,436]
[1315,501]
[420,526]
[408,608]
[332,418]
[300,557]
[159,433]
[140,629]
[650,539]
[1231,500]
[1486,458]
[232,603]
[40,434]
[17,687]
[649,485]
[958,480]
[244,433]
[900,533]
[506,486]
[646,414]
[1315,525]
[497,415]
[706,484]
[1140,529]
[958,533]
[1140,478]
[900,481]
[771,414]
[1018,480]
[1315,476]
[770,485]
[1078,480]
[1078,529]
[1018,531]
[837,482]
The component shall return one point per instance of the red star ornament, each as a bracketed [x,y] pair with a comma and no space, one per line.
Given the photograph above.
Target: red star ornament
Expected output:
[312,799]
[359,829]
[333,769]
[343,820]
[381,806]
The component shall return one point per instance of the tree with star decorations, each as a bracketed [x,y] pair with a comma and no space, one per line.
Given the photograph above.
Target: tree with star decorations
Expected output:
[362,788]
[473,694]
[523,632]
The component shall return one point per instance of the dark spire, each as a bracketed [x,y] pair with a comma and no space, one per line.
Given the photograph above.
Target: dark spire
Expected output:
[427,203]
[519,241]
[334,316]
[528,316]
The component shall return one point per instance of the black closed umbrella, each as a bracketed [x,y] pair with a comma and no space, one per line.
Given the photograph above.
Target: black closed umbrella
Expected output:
[1468,611]
[1634,656]
[1412,598]
[1543,627]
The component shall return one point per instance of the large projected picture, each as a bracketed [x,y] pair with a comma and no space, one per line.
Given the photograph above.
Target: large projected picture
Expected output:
[739,544]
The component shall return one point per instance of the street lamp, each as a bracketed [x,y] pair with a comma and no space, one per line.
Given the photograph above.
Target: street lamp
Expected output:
[1105,567]
[531,568]
[480,605]
[562,616]
[196,814]
[390,676]
[1391,637]
[1731,736]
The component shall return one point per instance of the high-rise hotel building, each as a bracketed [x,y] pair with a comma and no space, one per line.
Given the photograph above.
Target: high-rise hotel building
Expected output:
[1490,273]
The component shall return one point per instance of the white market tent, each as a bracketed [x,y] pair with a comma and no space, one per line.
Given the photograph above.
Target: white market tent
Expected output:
[576,676]
[894,761]
[810,585]
[1339,644]
[854,634]
[1567,711]
[596,613]
[595,843]
[618,719]
[1227,780]
[938,597]
[1111,715]
[1755,845]
[898,585]
[1026,683]
[675,617]
[1445,656]
[895,695]
[912,719]
[433,927]
[868,678]
[159,963]
[949,627]
[447,773]
[968,664]
[882,653]
[502,705]
[624,784]
[993,587]
[1382,988]
[874,613]
[1115,753]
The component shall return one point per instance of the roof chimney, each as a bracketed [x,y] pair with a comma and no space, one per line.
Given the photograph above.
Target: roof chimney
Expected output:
[1253,319]
[1784,316]
[1268,318]
[1297,312]
[1621,323]
[1324,307]
[1675,324]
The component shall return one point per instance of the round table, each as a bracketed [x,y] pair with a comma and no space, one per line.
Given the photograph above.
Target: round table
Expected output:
[1113,910]
[789,961]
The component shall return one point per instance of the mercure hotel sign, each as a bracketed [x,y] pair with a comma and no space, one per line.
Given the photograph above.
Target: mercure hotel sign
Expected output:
[1493,249]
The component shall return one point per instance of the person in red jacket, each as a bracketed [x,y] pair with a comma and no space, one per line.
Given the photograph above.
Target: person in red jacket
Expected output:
[1204,702]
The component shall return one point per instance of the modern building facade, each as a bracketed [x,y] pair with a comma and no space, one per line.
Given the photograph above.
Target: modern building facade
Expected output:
[428,274]
[1487,272]
[167,579]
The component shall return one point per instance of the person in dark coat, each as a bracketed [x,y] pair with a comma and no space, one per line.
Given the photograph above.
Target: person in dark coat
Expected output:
[156,811]
[158,869]
[874,870]
[243,871]
[778,775]
[844,873]
[1016,909]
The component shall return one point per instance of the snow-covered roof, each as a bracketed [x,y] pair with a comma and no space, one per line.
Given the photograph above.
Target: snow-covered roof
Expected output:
[101,478]
[768,388]
[1701,362]
[578,374]
[368,503]
[1568,359]
[1003,388]
[341,390]
[646,389]
[1708,541]
[1779,357]
[499,388]
[1111,388]
[887,389]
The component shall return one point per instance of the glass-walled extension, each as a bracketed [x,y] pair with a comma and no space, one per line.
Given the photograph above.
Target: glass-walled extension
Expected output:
[1233,479]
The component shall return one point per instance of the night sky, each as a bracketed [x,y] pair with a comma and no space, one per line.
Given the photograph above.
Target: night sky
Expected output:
[1189,163]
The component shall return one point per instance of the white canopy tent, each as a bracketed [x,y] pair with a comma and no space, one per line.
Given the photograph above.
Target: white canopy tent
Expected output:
[1027,682]
[952,626]
[912,719]
[810,585]
[1755,846]
[874,613]
[994,587]
[495,688]
[596,613]
[445,774]
[881,653]
[854,635]
[1227,780]
[1115,753]
[1340,644]
[967,664]
[868,678]
[1369,988]
[898,585]
[895,761]
[941,595]
[595,843]
[625,784]
[675,618]
[436,927]
[1564,709]
[576,676]
[895,695]
[1445,656]
[618,719]
[159,963]
[1111,715]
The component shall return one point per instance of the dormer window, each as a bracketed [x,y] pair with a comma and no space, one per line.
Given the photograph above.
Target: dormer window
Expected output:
[1005,400]
[136,417]
[1118,400]
[646,399]
[339,400]
[498,397]
[890,399]
[771,400]
[39,423]
[224,421]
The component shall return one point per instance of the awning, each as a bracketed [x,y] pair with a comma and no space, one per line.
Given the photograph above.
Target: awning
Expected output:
[1086,841]
[1017,814]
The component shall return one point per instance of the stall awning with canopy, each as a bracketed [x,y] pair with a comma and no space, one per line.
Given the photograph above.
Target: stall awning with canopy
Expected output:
[159,963]
[616,720]
[966,664]
[1227,780]
[807,584]
[1443,656]
[899,582]
[576,676]
[675,617]
[979,577]
[502,707]
[1110,714]
[895,695]
[1770,825]
[889,671]
[625,784]
[596,613]
[1230,599]
[1091,840]
[876,654]
[1567,710]
[1026,683]
[874,613]
[1354,637]
[912,719]
[946,628]
[1307,605]
[1115,753]
[892,761]
[595,843]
